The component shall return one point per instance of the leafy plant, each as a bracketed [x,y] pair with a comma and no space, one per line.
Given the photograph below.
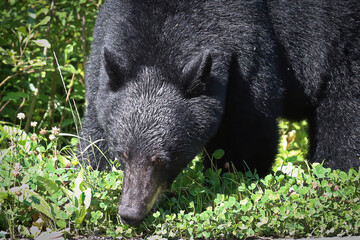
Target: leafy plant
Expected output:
[43,190]
[51,37]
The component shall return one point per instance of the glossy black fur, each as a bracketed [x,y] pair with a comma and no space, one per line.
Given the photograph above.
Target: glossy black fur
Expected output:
[166,78]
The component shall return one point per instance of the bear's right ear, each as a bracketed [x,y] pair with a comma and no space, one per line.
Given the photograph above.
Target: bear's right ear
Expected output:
[114,68]
[196,74]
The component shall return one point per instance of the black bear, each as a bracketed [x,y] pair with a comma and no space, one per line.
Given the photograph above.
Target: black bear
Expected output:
[166,78]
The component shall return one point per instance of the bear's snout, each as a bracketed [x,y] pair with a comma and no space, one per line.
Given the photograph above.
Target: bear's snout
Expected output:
[140,191]
[131,216]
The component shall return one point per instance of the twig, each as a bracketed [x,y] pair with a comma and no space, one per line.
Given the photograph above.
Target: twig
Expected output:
[52,97]
[61,76]
[66,100]
[18,73]
[2,108]
[66,91]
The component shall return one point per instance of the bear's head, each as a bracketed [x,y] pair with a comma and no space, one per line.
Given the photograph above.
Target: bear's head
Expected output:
[155,125]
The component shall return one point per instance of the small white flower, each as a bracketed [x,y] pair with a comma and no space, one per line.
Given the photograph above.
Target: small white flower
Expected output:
[21,116]
[19,192]
[55,131]
[52,137]
[17,169]
[34,137]
[33,124]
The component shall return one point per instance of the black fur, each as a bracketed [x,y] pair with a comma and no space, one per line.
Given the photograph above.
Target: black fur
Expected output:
[166,78]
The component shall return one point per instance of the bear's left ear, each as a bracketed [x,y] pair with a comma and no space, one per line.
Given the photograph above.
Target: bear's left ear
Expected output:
[114,68]
[196,74]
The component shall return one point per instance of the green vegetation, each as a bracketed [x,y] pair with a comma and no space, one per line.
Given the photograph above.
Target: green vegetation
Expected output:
[37,39]
[44,192]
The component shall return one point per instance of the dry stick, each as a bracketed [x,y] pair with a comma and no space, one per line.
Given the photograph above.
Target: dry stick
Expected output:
[66,100]
[63,82]
[2,108]
[77,118]
[61,76]
[67,92]
[52,97]
[18,73]
[22,103]
[7,78]
[33,101]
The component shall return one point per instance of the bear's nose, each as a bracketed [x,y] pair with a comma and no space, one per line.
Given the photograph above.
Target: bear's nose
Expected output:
[130,216]
[130,221]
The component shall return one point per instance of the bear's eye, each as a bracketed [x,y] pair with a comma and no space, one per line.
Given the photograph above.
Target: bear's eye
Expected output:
[123,156]
[155,160]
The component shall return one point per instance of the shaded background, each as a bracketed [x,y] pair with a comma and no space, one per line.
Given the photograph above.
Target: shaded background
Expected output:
[32,33]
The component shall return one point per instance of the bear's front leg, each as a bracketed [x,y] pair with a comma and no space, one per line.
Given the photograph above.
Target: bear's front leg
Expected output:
[335,134]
